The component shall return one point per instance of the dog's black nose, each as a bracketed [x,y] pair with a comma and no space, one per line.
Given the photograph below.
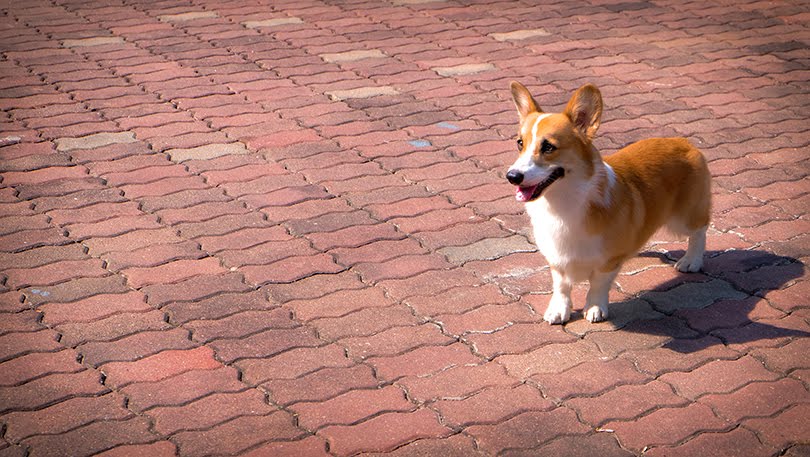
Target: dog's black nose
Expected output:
[514,177]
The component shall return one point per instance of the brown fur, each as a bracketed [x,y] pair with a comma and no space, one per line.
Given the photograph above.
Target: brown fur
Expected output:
[657,181]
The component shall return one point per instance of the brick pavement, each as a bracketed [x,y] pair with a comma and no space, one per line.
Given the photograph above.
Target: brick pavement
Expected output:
[282,228]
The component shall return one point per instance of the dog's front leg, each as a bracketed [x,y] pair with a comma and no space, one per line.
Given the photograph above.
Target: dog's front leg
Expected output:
[559,308]
[596,303]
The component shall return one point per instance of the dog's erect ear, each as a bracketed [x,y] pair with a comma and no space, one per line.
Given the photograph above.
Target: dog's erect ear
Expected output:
[524,102]
[585,110]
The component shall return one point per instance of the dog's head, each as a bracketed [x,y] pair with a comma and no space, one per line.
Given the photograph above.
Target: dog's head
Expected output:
[553,146]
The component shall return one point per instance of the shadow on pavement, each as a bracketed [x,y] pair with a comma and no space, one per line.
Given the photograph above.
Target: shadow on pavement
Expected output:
[717,301]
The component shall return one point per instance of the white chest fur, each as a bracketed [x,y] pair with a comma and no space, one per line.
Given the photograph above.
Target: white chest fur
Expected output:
[560,235]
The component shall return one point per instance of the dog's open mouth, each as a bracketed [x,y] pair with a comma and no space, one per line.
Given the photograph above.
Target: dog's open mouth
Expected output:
[527,194]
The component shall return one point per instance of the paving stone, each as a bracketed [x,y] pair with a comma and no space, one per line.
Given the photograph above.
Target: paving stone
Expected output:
[94,437]
[456,382]
[93,308]
[239,434]
[725,376]
[625,402]
[351,407]
[487,249]
[400,267]
[589,379]
[30,366]
[197,288]
[423,361]
[175,271]
[666,426]
[783,428]
[486,319]
[160,366]
[65,416]
[265,344]
[94,141]
[198,413]
[764,333]
[311,446]
[314,287]
[352,56]
[452,446]
[576,446]
[379,251]
[272,22]
[183,17]
[206,152]
[736,442]
[493,405]
[361,92]
[135,346]
[395,340]
[783,359]
[798,451]
[95,41]
[218,306]
[518,35]
[150,256]
[293,363]
[76,289]
[429,283]
[465,69]
[156,449]
[693,296]
[517,339]
[51,389]
[680,355]
[322,384]
[240,324]
[527,430]
[384,432]
[552,358]
[457,300]
[196,384]
[758,399]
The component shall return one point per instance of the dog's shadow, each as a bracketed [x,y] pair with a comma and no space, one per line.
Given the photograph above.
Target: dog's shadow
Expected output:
[717,302]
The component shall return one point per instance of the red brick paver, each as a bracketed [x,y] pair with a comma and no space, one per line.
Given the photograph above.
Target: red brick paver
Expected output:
[282,228]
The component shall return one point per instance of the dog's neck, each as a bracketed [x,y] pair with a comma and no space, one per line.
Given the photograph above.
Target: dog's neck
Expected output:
[593,183]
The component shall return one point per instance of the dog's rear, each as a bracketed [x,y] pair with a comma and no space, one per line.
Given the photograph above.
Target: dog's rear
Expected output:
[670,178]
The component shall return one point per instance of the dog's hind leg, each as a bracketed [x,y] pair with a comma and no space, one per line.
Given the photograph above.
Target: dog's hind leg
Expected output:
[596,302]
[692,261]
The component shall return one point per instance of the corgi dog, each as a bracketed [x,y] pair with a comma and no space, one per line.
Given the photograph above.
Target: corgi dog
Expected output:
[590,214]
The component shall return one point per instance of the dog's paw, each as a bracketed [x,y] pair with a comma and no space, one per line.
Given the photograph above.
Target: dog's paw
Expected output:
[689,265]
[557,315]
[596,314]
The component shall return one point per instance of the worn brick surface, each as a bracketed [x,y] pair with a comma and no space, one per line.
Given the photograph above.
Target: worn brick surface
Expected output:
[527,430]
[384,432]
[232,229]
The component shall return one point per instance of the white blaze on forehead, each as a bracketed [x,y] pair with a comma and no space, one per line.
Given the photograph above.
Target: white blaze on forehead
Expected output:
[534,139]
[525,163]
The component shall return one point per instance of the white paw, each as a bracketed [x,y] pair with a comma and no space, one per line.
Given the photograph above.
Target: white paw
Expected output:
[689,265]
[557,314]
[596,314]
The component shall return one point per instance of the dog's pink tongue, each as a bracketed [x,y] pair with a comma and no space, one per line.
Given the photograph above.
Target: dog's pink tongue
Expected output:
[523,194]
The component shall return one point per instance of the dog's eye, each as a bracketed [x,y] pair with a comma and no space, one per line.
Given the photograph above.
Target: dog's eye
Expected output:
[547,148]
[520,144]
